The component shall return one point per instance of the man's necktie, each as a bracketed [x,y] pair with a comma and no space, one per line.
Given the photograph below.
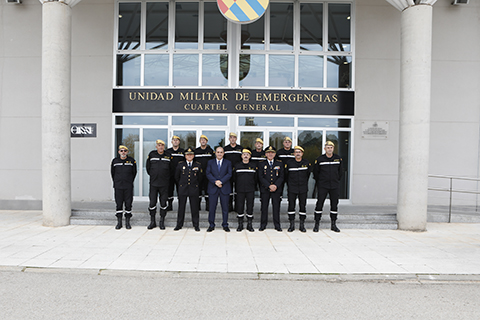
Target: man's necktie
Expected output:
[190,165]
[218,164]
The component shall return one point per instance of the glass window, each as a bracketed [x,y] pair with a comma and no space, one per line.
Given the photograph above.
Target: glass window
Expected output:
[128,69]
[310,71]
[339,72]
[199,121]
[266,121]
[185,70]
[129,26]
[157,25]
[252,70]
[187,138]
[281,70]
[141,120]
[215,138]
[253,35]
[281,26]
[341,139]
[186,25]
[215,28]
[339,27]
[215,70]
[156,69]
[276,139]
[324,122]
[311,26]
[247,139]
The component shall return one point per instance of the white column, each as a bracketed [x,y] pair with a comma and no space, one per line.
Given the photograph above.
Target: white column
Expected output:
[56,75]
[415,82]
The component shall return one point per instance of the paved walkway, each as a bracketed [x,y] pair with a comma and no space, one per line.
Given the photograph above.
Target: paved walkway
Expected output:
[445,249]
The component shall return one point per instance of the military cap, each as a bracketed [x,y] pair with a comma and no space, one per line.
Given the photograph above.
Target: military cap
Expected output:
[232,134]
[246,151]
[298,148]
[259,140]
[122,147]
[189,151]
[329,143]
[176,137]
[287,139]
[204,137]
[160,142]
[270,149]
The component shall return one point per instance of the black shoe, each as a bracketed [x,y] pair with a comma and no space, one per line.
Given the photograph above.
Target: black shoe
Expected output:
[334,227]
[197,229]
[152,224]
[127,223]
[262,228]
[119,225]
[210,229]
[162,223]
[302,226]
[227,229]
[240,224]
[279,229]
[177,228]
[249,225]
[315,228]
[292,226]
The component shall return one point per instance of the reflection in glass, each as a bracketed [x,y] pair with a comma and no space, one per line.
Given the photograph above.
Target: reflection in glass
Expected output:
[341,140]
[150,136]
[215,28]
[252,70]
[311,26]
[129,26]
[215,70]
[276,139]
[247,139]
[253,35]
[199,121]
[281,71]
[130,139]
[266,121]
[339,72]
[156,69]
[324,122]
[215,138]
[339,27]
[281,26]
[312,142]
[185,69]
[157,25]
[128,69]
[186,25]
[141,120]
[310,71]
[187,138]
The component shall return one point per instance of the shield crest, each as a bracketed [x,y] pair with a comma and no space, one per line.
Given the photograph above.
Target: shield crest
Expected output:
[242,11]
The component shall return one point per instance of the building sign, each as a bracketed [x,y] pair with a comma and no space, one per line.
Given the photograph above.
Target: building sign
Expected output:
[374,129]
[242,11]
[234,101]
[83,130]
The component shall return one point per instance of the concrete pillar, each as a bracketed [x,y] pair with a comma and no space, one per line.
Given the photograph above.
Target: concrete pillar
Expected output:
[56,75]
[416,44]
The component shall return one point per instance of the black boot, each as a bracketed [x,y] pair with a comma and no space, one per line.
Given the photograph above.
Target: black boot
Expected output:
[333,218]
[292,224]
[249,225]
[240,224]
[152,224]
[302,223]
[119,221]
[127,223]
[318,216]
[161,224]
[170,205]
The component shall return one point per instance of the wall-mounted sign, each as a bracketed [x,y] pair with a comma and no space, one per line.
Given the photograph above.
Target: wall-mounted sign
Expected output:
[234,101]
[374,129]
[83,130]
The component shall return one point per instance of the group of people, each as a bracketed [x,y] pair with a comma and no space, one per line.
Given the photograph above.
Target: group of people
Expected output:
[231,174]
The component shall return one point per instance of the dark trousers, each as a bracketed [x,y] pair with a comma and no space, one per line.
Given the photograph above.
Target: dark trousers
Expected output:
[241,197]
[162,193]
[203,188]
[265,199]
[322,195]
[194,208]
[213,207]
[124,196]
[171,188]
[302,201]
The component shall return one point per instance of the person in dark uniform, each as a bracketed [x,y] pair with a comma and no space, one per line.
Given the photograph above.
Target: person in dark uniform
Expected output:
[188,174]
[270,174]
[177,155]
[258,154]
[327,172]
[245,174]
[124,171]
[203,154]
[158,167]
[233,153]
[285,155]
[297,172]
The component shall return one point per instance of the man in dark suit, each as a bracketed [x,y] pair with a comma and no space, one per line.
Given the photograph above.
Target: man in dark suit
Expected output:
[219,172]
[188,175]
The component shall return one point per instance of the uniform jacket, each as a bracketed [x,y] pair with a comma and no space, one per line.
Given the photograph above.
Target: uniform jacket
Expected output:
[224,175]
[258,157]
[271,175]
[123,172]
[177,157]
[203,156]
[233,154]
[188,178]
[297,174]
[328,171]
[245,176]
[285,155]
[158,167]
